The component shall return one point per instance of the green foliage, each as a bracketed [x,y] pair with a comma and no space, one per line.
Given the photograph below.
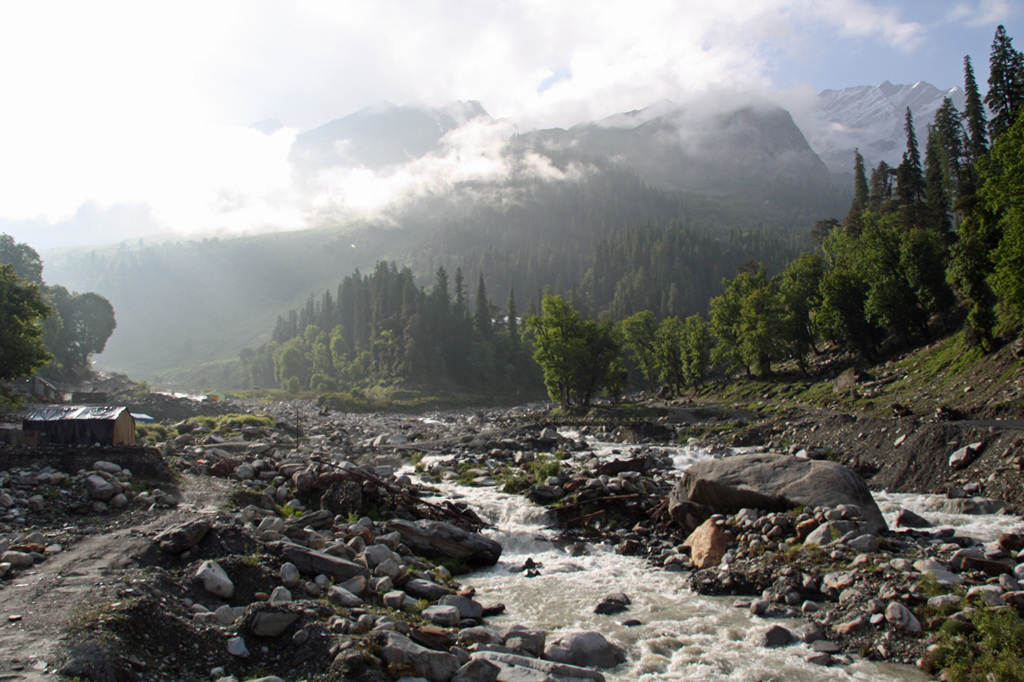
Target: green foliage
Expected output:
[22,310]
[154,433]
[78,328]
[208,423]
[1003,192]
[748,319]
[993,650]
[515,480]
[576,355]
[286,511]
[22,258]
[234,420]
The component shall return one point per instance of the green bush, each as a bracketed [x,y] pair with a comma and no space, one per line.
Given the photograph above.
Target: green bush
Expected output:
[234,421]
[991,651]
[154,433]
[514,480]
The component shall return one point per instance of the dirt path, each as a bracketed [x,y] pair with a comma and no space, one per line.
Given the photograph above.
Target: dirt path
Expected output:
[40,604]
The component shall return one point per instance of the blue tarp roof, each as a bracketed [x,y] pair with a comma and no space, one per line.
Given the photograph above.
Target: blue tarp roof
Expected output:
[140,417]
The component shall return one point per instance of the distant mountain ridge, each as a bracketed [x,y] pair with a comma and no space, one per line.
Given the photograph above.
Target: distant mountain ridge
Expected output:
[871,118]
[380,136]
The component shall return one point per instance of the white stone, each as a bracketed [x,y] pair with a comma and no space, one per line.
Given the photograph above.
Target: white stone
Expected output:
[236,647]
[215,580]
[902,618]
[280,594]
[290,575]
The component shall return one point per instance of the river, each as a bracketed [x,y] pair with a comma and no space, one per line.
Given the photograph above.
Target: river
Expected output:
[682,635]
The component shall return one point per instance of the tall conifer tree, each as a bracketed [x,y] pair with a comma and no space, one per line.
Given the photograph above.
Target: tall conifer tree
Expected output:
[1005,84]
[974,114]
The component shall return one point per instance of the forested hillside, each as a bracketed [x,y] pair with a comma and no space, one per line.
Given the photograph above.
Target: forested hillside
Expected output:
[925,247]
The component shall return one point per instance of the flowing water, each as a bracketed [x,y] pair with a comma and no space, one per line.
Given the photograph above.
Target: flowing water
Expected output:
[682,635]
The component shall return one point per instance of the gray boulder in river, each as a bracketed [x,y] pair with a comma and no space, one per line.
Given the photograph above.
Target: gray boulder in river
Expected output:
[439,539]
[769,482]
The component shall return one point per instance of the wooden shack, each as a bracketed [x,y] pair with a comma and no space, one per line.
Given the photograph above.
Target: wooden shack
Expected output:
[83,425]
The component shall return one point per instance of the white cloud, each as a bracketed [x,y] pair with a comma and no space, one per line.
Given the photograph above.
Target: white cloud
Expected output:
[983,13]
[112,103]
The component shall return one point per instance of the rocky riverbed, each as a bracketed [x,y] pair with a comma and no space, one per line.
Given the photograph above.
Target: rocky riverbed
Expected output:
[309,545]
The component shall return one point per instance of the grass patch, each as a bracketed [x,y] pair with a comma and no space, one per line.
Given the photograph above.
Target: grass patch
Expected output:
[513,480]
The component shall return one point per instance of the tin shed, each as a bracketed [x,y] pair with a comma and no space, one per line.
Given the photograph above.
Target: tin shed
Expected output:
[87,425]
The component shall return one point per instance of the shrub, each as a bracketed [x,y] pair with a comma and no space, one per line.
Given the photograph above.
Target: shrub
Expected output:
[992,650]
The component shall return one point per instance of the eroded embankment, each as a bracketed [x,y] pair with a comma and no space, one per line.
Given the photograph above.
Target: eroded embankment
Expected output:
[909,455]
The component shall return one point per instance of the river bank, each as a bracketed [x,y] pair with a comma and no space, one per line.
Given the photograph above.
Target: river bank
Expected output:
[587,513]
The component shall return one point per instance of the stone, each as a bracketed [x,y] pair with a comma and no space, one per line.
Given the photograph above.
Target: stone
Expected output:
[225,615]
[182,537]
[708,544]
[945,600]
[468,608]
[100,488]
[769,482]
[403,657]
[438,539]
[965,455]
[477,670]
[850,626]
[542,670]
[529,641]
[902,618]
[425,589]
[589,648]
[863,543]
[445,616]
[215,580]
[265,619]
[236,647]
[436,638]
[17,559]
[280,594]
[313,562]
[376,555]
[290,575]
[480,634]
[339,596]
[909,519]
[107,467]
[613,603]
[776,636]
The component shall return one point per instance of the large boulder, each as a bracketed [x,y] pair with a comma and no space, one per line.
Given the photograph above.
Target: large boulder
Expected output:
[769,482]
[438,539]
[403,657]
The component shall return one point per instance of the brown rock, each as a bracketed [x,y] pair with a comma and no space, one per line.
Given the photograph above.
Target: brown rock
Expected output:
[1011,542]
[224,467]
[708,544]
[804,528]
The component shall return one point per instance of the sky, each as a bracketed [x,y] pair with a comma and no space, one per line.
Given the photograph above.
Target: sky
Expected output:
[129,120]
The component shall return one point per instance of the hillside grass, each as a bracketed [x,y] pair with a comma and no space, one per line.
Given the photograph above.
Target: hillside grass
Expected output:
[945,374]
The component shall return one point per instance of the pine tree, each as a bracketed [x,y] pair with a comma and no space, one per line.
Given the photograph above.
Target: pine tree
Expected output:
[910,178]
[881,185]
[513,320]
[482,317]
[1005,84]
[860,183]
[860,202]
[951,152]
[937,199]
[974,114]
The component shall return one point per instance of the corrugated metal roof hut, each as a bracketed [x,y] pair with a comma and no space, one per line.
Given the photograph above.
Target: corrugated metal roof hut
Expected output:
[86,425]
